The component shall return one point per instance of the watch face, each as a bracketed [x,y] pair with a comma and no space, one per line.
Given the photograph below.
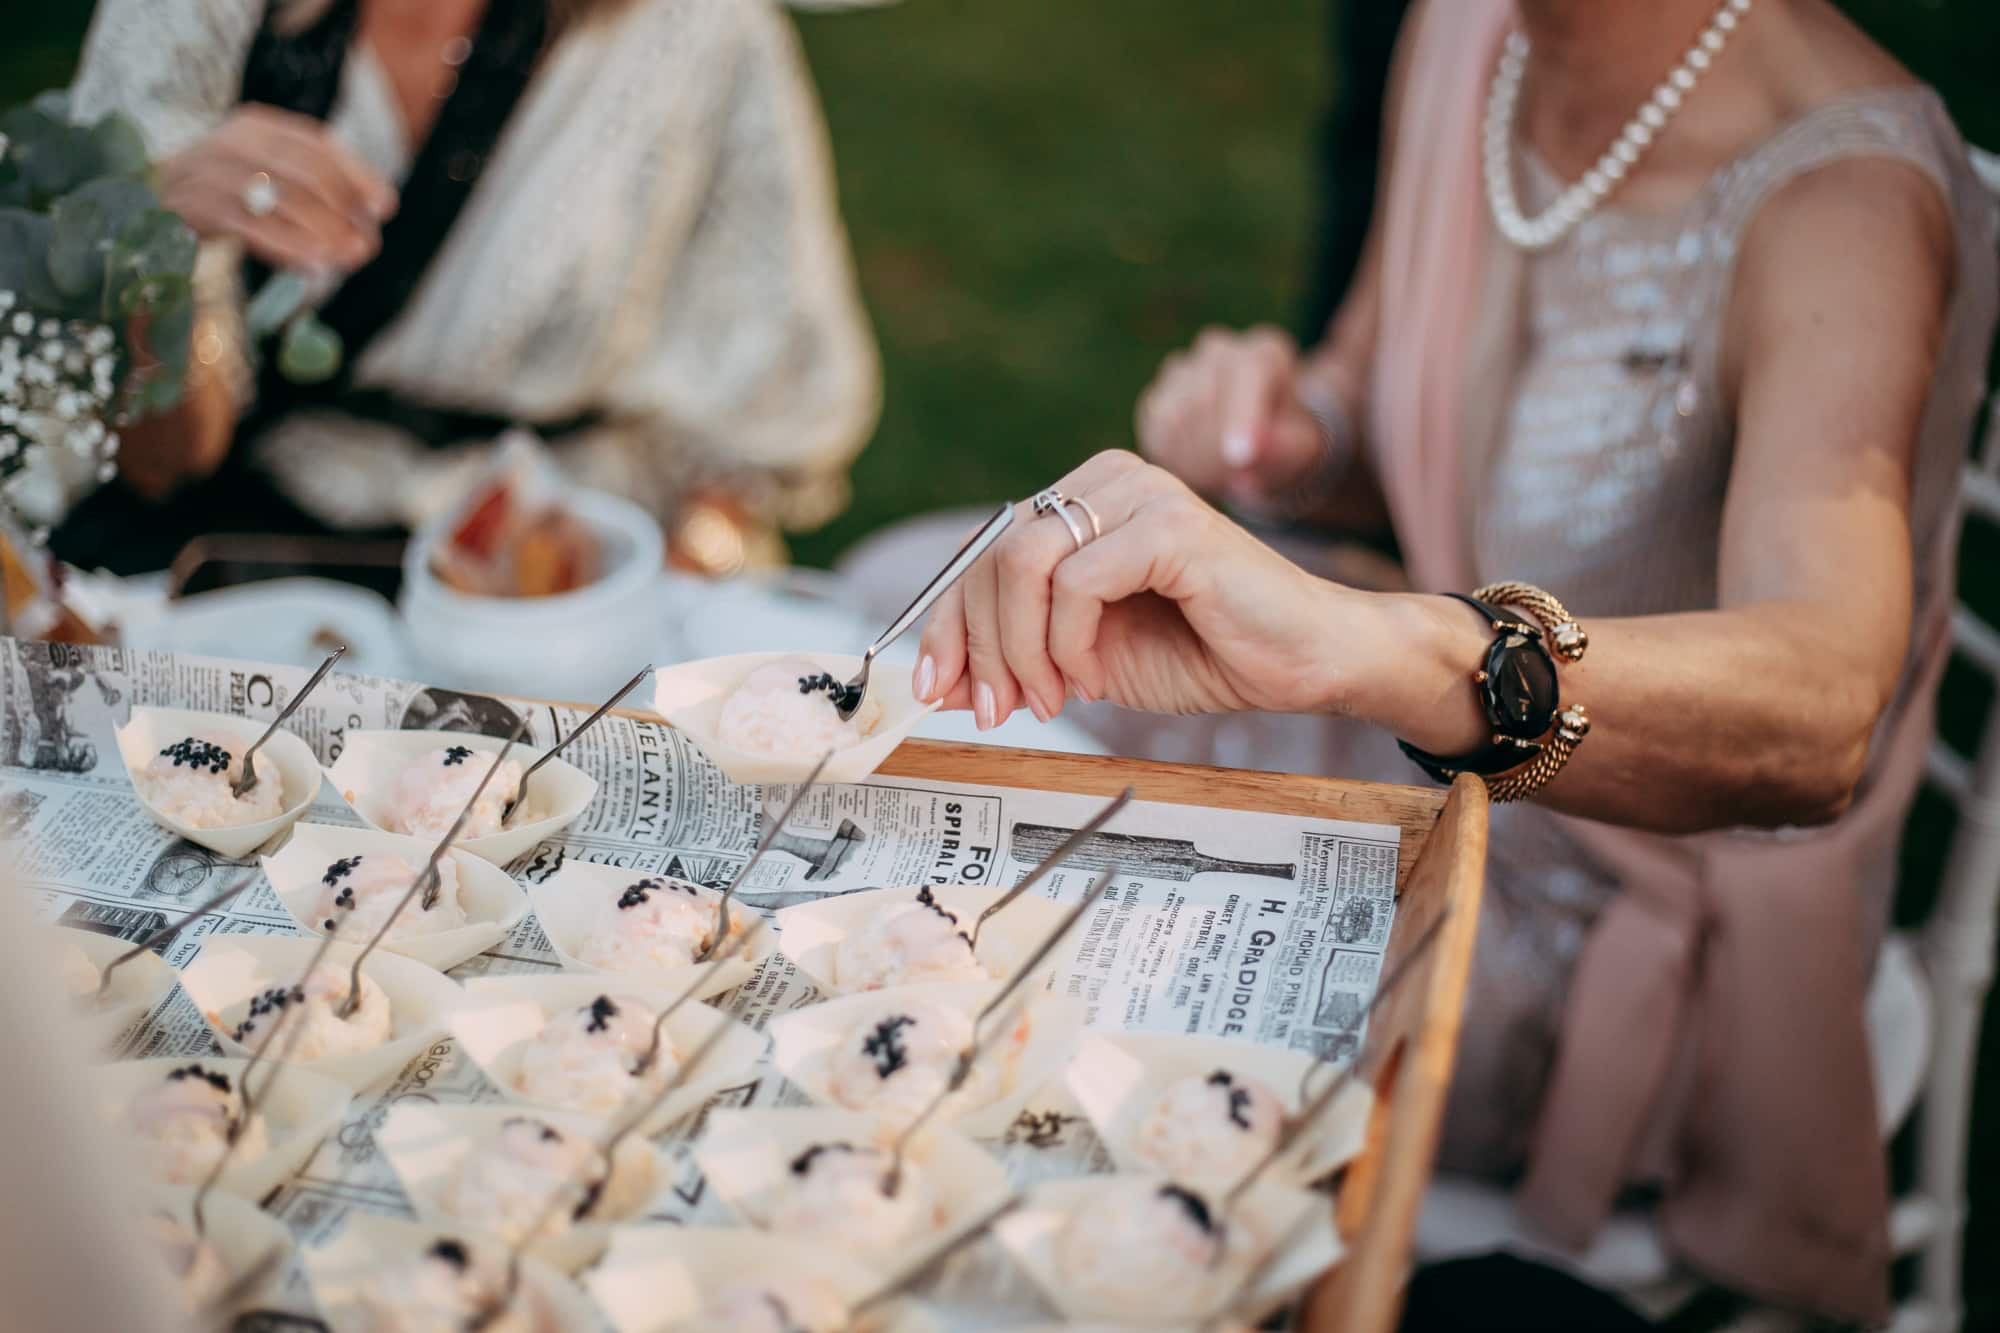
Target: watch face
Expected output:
[1521,691]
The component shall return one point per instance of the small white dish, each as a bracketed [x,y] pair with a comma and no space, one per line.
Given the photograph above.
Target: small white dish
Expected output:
[690,697]
[1117,1079]
[136,987]
[493,902]
[371,761]
[284,757]
[810,934]
[1299,1222]
[806,1040]
[655,1279]
[231,969]
[566,903]
[499,1016]
[369,1244]
[299,1110]
[426,1145]
[748,1156]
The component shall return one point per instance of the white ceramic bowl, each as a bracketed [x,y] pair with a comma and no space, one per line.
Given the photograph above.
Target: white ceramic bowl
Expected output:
[576,646]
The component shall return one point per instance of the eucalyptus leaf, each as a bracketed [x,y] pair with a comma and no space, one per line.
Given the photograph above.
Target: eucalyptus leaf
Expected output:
[53,103]
[275,302]
[120,148]
[309,352]
[53,156]
[24,242]
[157,393]
[85,227]
[170,335]
[154,242]
[144,294]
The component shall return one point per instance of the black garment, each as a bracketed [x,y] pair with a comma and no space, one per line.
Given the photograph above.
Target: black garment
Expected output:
[1497,1293]
[1363,44]
[300,72]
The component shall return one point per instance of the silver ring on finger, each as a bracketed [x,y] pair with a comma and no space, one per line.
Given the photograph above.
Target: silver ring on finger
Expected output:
[1096,528]
[1053,501]
[260,195]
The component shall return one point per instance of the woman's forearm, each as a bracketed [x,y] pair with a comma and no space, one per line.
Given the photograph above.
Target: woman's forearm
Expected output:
[1755,716]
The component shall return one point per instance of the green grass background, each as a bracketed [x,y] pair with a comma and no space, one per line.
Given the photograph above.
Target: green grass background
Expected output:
[1046,196]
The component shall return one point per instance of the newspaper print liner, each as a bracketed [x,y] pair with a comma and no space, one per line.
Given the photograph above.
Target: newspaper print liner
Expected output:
[747,1156]
[369,1244]
[243,1235]
[654,1279]
[690,698]
[136,987]
[810,934]
[299,1110]
[231,969]
[493,902]
[371,761]
[426,1144]
[496,1017]
[566,903]
[284,757]
[1032,1233]
[1117,1078]
[804,1041]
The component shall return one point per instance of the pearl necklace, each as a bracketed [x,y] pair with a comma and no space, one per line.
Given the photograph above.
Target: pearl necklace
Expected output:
[1578,201]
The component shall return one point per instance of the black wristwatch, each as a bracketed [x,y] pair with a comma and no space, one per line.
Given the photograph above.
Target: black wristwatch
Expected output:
[1517,689]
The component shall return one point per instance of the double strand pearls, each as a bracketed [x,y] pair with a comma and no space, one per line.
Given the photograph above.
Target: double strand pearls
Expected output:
[1578,201]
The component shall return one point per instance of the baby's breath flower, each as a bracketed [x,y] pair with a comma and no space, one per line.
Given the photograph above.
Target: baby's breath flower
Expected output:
[24,323]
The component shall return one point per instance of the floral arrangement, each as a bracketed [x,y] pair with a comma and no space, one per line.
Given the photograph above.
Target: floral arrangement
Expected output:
[96,299]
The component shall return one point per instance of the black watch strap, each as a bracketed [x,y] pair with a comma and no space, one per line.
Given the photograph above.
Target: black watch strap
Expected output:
[1518,693]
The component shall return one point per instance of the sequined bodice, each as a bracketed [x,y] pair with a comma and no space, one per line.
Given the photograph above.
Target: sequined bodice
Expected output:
[1609,470]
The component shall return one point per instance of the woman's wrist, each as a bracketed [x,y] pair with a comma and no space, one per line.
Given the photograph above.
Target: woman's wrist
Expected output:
[1404,662]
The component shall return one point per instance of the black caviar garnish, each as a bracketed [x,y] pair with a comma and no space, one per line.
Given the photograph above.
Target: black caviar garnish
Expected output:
[803,1163]
[1192,1204]
[340,870]
[823,683]
[601,1012]
[220,1082]
[266,1002]
[1239,1097]
[545,1131]
[928,899]
[197,755]
[885,1044]
[456,755]
[452,1252]
[638,892]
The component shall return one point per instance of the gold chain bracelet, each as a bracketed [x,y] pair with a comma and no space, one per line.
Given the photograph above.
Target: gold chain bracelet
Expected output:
[1568,640]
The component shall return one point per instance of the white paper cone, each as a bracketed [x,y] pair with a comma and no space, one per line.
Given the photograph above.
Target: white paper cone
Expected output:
[1117,1079]
[136,986]
[805,1040]
[231,969]
[499,1016]
[243,1235]
[690,697]
[566,905]
[299,1110]
[371,761]
[1302,1222]
[655,1278]
[426,1144]
[493,902]
[284,757]
[747,1157]
[810,933]
[369,1245]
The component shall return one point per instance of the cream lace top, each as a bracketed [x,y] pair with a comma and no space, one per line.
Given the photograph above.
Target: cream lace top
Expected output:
[654,238]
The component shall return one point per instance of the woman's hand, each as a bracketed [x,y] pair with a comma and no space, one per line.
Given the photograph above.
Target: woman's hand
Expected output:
[1226,417]
[329,206]
[1174,609]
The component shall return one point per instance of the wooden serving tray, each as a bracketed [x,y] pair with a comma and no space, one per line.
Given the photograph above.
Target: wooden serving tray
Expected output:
[1412,1039]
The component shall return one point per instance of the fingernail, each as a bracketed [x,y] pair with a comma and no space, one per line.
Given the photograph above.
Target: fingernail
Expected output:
[984,707]
[1237,450]
[1039,709]
[926,679]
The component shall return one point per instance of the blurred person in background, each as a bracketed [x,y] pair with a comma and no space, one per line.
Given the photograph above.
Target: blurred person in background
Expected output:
[1677,312]
[610,221]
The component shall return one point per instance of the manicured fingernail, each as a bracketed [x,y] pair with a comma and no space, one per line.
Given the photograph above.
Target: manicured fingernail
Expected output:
[984,707]
[1039,709]
[926,679]
[1237,450]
